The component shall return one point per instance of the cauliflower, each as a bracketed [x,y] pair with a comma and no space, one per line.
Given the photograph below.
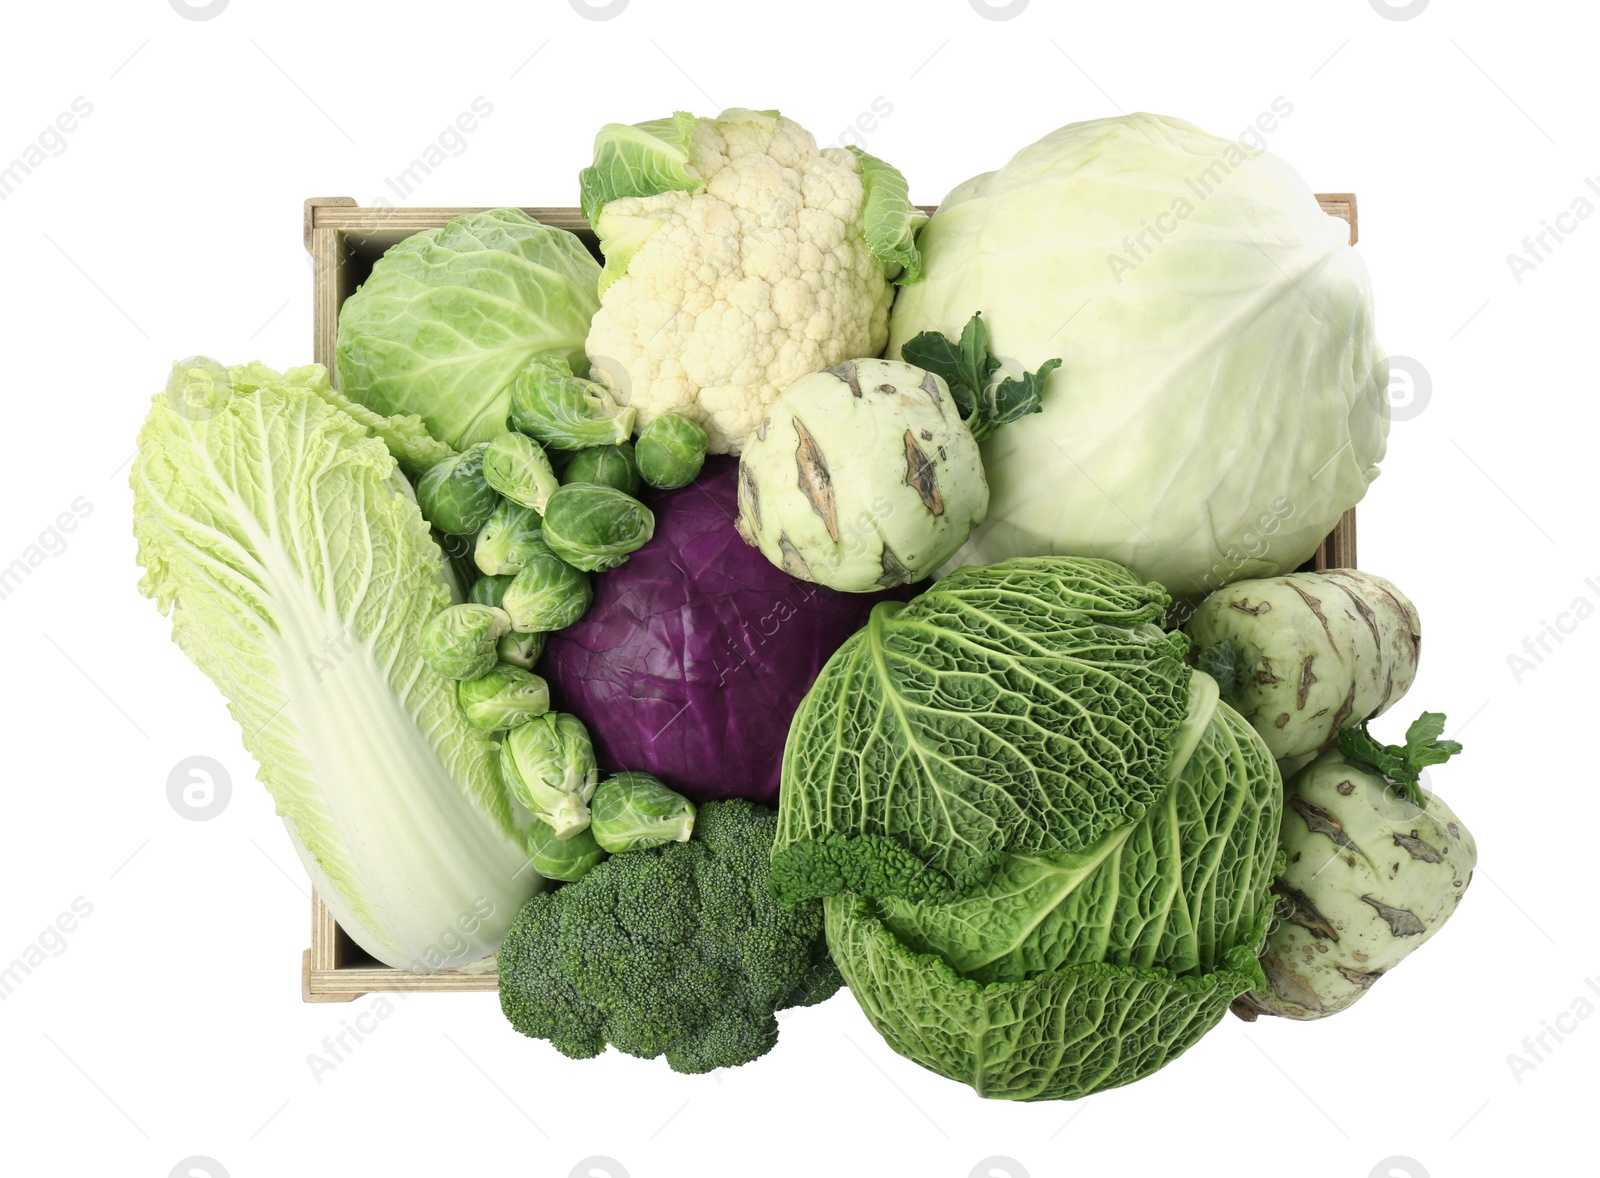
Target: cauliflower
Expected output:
[739,258]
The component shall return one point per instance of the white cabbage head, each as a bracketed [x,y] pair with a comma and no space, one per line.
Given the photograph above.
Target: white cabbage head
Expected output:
[1222,398]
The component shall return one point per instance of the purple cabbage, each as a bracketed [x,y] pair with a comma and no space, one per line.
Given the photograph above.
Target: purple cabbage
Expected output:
[696,652]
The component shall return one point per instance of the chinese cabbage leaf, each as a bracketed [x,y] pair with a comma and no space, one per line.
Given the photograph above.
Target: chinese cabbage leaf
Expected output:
[298,572]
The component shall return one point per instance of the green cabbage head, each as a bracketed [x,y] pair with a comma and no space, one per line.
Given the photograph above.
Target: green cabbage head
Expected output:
[1221,399]
[450,317]
[1046,846]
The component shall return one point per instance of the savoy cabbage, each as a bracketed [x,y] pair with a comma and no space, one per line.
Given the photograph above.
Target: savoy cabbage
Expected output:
[1045,844]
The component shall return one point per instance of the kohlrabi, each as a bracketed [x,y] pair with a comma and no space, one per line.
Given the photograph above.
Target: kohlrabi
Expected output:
[1375,866]
[1306,655]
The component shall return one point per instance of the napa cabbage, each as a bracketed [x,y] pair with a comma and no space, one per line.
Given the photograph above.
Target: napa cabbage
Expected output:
[278,533]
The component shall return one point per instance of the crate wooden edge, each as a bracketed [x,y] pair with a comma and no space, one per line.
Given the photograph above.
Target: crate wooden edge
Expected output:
[324,974]
[329,971]
[328,221]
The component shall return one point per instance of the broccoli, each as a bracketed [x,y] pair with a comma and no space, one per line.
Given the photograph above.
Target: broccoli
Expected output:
[677,950]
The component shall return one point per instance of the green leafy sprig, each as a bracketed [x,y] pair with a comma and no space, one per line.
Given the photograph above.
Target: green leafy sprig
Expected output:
[968,368]
[1401,765]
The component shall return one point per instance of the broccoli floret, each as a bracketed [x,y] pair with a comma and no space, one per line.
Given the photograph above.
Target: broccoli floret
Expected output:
[677,950]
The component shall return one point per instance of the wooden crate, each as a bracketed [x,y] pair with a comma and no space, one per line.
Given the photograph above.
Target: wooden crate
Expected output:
[344,241]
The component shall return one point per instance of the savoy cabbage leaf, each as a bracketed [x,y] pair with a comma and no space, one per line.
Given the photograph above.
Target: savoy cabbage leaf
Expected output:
[1176,890]
[1066,974]
[1065,1034]
[1028,706]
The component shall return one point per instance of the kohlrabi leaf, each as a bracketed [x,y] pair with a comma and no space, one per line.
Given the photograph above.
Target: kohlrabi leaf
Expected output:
[889,218]
[299,575]
[1028,706]
[1401,765]
[969,369]
[638,160]
[1012,399]
[940,355]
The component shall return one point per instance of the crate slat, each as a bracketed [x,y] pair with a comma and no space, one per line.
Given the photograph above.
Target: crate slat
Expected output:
[344,240]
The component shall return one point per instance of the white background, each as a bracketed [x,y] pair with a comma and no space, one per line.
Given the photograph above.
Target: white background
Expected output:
[171,1023]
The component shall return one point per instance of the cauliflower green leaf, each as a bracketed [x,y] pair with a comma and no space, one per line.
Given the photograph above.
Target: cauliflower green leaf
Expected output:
[641,159]
[889,219]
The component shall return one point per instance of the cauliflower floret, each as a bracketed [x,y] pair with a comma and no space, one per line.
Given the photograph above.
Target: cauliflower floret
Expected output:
[740,288]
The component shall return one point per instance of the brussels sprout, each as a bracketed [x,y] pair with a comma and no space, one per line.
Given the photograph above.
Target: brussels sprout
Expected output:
[505,697]
[521,649]
[490,590]
[508,539]
[1375,866]
[671,450]
[610,466]
[516,466]
[549,767]
[595,527]
[633,810]
[564,411]
[565,859]
[454,495]
[459,642]
[548,594]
